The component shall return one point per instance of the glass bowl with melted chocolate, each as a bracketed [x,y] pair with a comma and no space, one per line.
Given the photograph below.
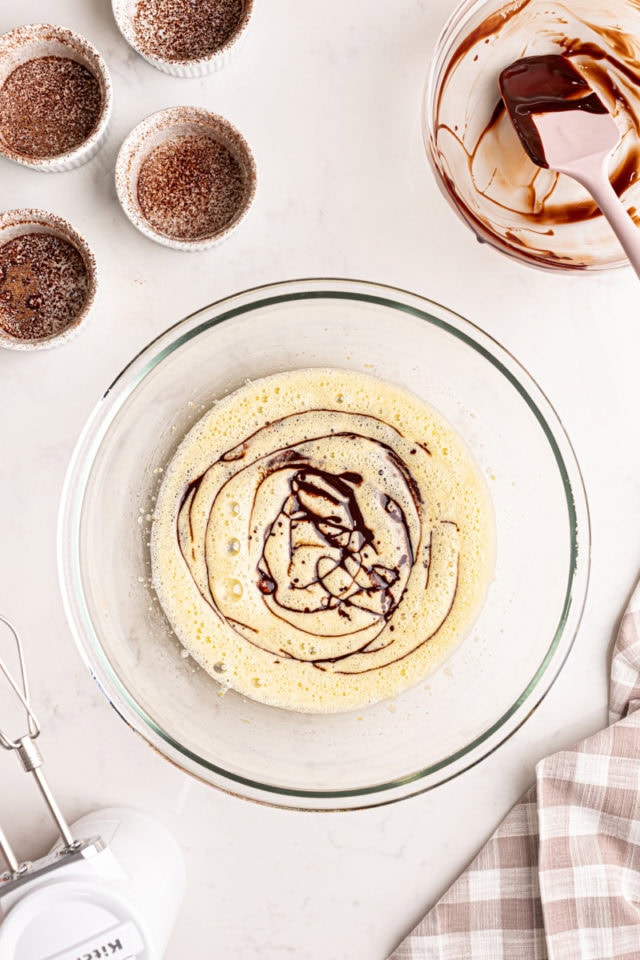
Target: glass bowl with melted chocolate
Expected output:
[309,485]
[536,215]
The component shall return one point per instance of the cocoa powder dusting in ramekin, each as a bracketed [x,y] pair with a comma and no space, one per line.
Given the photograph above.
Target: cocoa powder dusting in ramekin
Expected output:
[185,29]
[43,286]
[49,106]
[190,187]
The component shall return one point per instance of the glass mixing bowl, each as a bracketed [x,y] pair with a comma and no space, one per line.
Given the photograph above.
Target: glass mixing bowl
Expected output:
[537,216]
[391,750]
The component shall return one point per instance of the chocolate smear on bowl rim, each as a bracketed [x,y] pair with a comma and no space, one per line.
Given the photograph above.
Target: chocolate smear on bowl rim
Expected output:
[44,284]
[191,187]
[49,106]
[182,30]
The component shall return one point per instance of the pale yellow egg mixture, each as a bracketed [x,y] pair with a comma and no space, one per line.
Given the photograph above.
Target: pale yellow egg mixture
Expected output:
[323,540]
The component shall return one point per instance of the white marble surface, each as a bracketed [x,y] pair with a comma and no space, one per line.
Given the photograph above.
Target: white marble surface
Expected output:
[329,97]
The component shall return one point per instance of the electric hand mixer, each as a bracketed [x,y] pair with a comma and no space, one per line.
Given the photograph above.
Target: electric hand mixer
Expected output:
[112,886]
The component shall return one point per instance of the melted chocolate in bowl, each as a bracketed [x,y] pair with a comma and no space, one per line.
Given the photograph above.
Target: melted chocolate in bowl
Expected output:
[322,540]
[536,214]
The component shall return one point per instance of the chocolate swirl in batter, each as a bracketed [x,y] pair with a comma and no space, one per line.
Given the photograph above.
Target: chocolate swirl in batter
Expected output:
[330,552]
[506,198]
[328,557]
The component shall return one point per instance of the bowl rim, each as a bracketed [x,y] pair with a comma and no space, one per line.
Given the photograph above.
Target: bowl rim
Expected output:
[86,638]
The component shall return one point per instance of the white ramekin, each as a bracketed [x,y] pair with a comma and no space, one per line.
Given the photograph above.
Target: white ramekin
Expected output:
[47,40]
[124,13]
[15,223]
[165,125]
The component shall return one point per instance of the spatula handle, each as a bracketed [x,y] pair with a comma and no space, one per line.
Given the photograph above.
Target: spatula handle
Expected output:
[594,177]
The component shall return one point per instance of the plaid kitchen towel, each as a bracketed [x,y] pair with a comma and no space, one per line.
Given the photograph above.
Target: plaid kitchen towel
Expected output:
[560,877]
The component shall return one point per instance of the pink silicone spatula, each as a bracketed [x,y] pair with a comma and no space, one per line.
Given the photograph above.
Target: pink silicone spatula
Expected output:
[564,125]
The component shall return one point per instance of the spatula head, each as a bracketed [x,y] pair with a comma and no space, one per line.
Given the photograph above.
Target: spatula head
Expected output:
[556,114]
[569,139]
